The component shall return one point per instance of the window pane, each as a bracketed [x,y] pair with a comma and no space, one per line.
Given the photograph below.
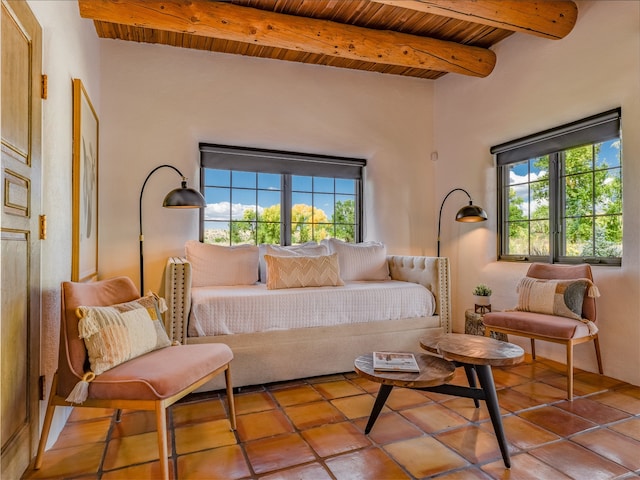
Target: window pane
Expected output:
[345,209]
[345,186]
[518,238]
[267,199]
[302,199]
[608,154]
[518,173]
[579,159]
[269,233]
[579,237]
[244,231]
[322,184]
[216,232]
[578,195]
[609,236]
[539,238]
[301,184]
[244,179]
[243,198]
[218,178]
[608,191]
[518,201]
[218,201]
[269,181]
[539,207]
[323,207]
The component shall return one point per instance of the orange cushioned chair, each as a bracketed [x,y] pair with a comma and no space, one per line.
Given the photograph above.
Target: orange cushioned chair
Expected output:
[153,381]
[552,328]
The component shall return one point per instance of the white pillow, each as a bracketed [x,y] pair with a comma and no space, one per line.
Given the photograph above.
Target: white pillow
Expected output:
[308,249]
[360,261]
[215,265]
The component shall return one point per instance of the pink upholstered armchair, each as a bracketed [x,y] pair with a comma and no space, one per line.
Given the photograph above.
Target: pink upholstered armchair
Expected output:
[152,381]
[552,328]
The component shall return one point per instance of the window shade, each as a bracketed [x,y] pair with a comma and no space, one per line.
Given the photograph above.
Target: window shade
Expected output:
[594,129]
[272,161]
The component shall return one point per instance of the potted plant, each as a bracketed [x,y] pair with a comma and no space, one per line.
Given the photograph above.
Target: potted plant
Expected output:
[482,295]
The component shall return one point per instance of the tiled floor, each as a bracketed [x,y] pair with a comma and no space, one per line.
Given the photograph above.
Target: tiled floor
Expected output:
[313,429]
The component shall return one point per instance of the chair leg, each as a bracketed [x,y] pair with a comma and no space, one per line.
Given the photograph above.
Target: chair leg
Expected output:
[161,423]
[570,371]
[230,399]
[596,343]
[46,427]
[533,349]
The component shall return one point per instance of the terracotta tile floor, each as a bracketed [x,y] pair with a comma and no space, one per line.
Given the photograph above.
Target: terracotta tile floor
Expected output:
[313,429]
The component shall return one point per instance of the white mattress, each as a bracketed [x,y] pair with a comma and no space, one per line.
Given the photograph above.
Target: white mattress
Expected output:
[247,309]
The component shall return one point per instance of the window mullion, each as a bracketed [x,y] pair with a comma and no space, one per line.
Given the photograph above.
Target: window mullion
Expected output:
[285,209]
[556,207]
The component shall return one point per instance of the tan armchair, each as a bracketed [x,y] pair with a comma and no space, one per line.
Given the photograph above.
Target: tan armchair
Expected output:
[153,381]
[551,328]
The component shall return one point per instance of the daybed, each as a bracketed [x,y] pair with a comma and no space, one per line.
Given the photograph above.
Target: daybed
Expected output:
[301,350]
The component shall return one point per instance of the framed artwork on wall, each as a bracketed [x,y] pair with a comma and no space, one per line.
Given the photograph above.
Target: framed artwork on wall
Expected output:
[84,258]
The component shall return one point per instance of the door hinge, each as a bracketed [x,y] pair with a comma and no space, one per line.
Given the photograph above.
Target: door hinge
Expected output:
[41,385]
[44,87]
[43,227]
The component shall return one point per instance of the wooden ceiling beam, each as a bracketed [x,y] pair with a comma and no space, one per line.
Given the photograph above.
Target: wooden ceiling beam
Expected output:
[258,27]
[544,18]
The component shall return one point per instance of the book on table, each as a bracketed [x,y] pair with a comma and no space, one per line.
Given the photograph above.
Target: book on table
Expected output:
[395,362]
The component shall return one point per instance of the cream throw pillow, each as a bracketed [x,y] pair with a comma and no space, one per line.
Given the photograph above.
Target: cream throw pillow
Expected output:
[121,332]
[294,272]
[216,265]
[307,249]
[563,298]
[360,261]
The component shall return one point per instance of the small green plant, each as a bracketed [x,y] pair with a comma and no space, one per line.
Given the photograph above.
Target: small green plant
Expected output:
[482,290]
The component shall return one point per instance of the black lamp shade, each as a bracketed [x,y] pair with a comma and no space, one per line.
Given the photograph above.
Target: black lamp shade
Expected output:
[184,197]
[471,214]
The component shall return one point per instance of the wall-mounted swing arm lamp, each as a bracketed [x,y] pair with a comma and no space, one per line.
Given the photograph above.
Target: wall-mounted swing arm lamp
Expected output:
[182,197]
[469,213]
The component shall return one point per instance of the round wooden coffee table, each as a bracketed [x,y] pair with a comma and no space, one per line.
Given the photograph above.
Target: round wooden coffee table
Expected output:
[477,355]
[434,371]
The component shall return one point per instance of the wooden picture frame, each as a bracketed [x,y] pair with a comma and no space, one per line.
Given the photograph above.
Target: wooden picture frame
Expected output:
[84,258]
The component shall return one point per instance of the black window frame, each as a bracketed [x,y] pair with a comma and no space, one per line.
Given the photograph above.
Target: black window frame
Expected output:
[286,164]
[553,143]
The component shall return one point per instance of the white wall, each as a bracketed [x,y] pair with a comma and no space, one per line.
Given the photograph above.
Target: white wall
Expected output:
[538,84]
[70,50]
[159,102]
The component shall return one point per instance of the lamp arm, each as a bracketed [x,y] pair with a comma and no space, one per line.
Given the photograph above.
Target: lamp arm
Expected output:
[442,205]
[140,219]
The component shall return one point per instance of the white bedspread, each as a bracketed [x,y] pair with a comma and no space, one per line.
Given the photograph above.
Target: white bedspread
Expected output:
[246,309]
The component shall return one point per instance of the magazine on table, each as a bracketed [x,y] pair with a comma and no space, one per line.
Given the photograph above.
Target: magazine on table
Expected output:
[395,362]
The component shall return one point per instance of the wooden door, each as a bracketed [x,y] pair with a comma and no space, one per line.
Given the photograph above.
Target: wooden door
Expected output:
[20,129]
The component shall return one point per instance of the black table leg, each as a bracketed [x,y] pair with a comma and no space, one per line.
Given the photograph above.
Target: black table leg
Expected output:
[471,378]
[383,394]
[491,398]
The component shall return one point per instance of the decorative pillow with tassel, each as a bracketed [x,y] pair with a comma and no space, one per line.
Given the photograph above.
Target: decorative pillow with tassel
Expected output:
[121,332]
[563,298]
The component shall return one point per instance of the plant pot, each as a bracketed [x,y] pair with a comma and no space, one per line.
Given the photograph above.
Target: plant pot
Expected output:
[482,300]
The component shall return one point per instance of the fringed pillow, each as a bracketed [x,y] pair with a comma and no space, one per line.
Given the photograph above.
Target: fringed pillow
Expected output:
[563,298]
[296,272]
[121,332]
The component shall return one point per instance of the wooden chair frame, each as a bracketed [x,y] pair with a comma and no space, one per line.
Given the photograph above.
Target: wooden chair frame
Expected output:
[158,406]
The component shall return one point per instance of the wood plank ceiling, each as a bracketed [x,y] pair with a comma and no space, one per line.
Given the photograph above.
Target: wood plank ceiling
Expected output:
[417,38]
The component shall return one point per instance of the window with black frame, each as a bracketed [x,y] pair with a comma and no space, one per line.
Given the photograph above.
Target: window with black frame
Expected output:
[560,193]
[257,196]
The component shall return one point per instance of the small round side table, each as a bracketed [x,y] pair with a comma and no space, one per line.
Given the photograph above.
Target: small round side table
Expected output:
[473,325]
